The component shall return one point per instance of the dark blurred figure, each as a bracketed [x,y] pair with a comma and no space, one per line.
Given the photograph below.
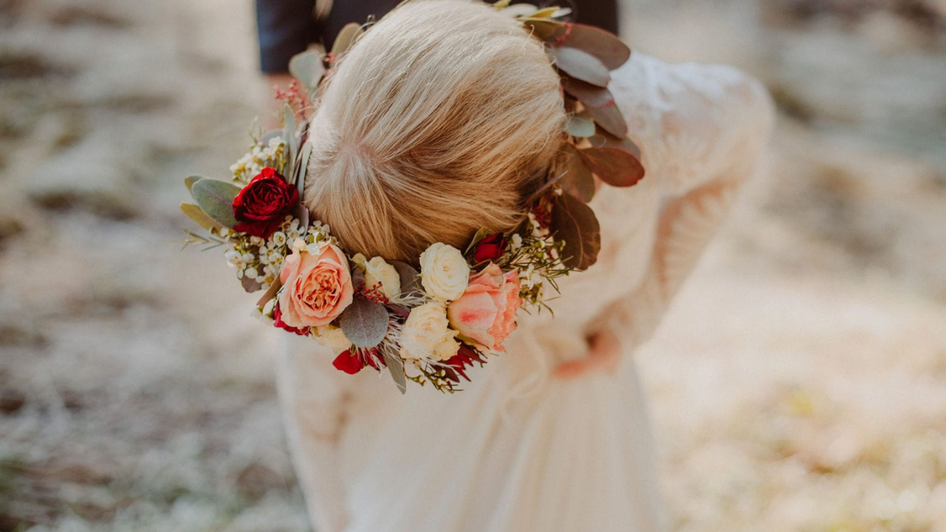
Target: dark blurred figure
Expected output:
[287,27]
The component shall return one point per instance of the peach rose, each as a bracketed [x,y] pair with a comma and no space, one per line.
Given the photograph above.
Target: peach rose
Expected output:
[317,286]
[486,312]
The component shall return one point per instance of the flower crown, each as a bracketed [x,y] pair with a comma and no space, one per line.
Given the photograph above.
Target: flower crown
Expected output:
[431,325]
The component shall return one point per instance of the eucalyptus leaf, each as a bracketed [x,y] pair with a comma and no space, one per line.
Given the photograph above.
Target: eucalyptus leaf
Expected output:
[609,118]
[604,45]
[578,180]
[289,136]
[575,223]
[194,213]
[396,369]
[603,139]
[586,93]
[365,323]
[190,180]
[410,278]
[579,126]
[581,65]
[303,169]
[614,166]
[270,135]
[346,38]
[307,67]
[215,198]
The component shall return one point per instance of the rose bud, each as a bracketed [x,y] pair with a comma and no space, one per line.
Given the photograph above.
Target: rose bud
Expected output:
[490,248]
[263,204]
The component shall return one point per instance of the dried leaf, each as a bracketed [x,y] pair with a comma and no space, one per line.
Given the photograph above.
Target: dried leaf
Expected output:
[190,180]
[396,369]
[269,294]
[410,278]
[578,180]
[603,45]
[194,213]
[588,94]
[614,166]
[215,198]
[580,65]
[603,139]
[542,28]
[544,13]
[250,285]
[364,323]
[579,126]
[346,38]
[576,224]
[609,118]
[502,4]
[307,67]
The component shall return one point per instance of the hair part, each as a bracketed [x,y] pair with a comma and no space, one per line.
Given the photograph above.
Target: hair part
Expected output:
[432,127]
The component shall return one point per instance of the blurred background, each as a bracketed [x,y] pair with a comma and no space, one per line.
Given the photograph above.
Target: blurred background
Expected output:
[798,384]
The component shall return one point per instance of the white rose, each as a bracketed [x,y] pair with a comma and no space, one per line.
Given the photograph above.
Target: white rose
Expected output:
[427,333]
[377,271]
[332,337]
[444,272]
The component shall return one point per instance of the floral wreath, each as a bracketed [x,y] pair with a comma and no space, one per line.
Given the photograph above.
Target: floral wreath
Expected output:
[433,324]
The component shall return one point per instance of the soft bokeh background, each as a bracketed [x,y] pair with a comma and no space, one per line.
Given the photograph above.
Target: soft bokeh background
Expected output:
[798,384]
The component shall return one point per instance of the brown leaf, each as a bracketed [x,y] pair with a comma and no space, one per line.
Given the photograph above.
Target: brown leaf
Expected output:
[614,166]
[609,118]
[578,180]
[575,223]
[603,139]
[588,94]
[580,65]
[542,29]
[603,45]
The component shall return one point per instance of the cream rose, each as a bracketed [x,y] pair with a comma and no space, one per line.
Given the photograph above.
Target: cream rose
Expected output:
[332,337]
[317,286]
[427,333]
[379,272]
[444,272]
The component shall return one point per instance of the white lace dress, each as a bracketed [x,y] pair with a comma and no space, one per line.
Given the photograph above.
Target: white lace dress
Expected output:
[520,449]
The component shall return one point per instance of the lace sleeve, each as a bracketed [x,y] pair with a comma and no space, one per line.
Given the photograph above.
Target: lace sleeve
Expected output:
[693,122]
[702,129]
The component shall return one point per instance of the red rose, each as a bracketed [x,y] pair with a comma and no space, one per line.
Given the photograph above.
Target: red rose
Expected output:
[263,203]
[490,248]
[277,321]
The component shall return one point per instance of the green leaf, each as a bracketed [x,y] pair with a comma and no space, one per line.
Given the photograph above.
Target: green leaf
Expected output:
[190,180]
[396,369]
[194,213]
[578,180]
[215,198]
[364,323]
[289,137]
[346,38]
[614,166]
[303,169]
[410,278]
[609,118]
[579,126]
[270,135]
[603,45]
[307,67]
[586,93]
[575,223]
[580,65]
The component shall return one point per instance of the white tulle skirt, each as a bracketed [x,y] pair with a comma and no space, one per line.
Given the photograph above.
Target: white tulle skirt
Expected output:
[574,455]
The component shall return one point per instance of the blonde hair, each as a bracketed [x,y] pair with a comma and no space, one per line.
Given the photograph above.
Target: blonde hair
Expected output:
[432,127]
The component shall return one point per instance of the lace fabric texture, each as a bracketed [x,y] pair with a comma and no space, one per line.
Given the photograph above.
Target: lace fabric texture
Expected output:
[519,450]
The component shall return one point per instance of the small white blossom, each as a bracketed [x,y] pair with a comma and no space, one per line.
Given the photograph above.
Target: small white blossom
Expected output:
[278,238]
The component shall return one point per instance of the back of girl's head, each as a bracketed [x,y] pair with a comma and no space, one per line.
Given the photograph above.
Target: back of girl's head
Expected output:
[432,127]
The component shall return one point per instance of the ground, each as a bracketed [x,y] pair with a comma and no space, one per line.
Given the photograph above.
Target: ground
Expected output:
[796,385]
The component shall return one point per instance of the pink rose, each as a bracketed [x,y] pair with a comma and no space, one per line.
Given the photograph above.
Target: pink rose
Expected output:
[317,289]
[486,312]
